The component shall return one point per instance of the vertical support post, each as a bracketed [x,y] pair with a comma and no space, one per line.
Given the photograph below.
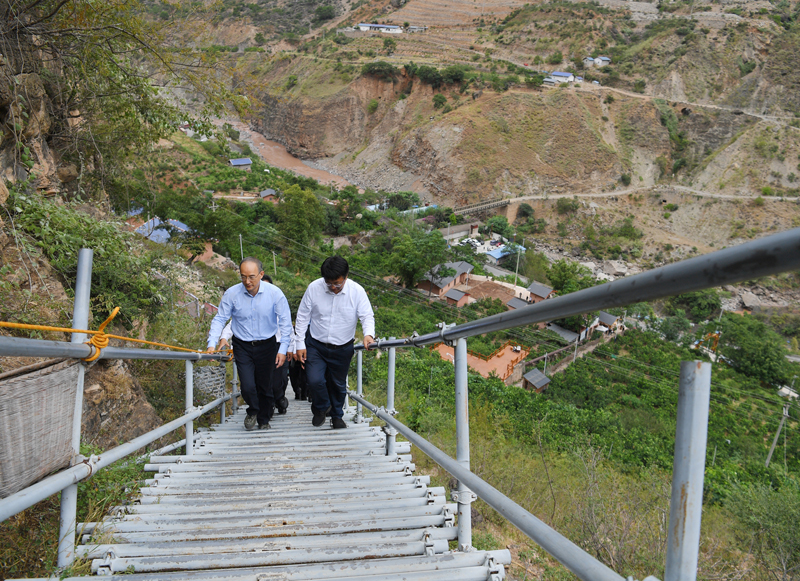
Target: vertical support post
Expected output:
[222,406]
[465,496]
[391,433]
[69,496]
[686,503]
[359,383]
[575,354]
[235,390]
[189,406]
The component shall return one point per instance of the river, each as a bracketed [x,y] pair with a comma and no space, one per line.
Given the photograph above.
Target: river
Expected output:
[276,155]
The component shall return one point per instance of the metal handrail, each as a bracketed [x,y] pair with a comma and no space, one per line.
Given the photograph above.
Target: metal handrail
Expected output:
[561,548]
[82,468]
[763,257]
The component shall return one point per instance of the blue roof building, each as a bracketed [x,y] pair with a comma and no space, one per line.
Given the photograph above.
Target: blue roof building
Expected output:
[158,231]
[242,162]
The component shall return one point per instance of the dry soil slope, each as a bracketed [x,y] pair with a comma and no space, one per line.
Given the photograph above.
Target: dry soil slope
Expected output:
[452,13]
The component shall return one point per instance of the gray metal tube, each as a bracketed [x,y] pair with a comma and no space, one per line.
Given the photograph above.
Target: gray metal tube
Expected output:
[686,504]
[21,347]
[582,564]
[23,499]
[189,406]
[465,495]
[769,255]
[235,390]
[391,433]
[359,382]
[69,496]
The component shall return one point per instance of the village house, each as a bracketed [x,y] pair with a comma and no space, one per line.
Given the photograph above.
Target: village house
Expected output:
[535,380]
[385,28]
[602,61]
[562,77]
[500,254]
[456,297]
[435,285]
[539,292]
[516,303]
[608,322]
[244,163]
[269,195]
[588,61]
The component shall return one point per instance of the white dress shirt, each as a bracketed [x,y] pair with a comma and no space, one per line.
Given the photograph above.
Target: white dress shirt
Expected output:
[332,317]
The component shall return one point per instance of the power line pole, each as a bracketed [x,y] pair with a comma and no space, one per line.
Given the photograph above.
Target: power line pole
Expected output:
[241,248]
[274,264]
[775,441]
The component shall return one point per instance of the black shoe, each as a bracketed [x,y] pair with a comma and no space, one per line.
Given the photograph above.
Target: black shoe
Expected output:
[264,426]
[319,418]
[338,423]
[283,405]
[250,423]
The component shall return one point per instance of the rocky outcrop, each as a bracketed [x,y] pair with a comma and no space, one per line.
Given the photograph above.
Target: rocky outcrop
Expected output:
[115,408]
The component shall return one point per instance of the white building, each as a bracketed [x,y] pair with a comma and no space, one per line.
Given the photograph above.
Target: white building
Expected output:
[385,28]
[563,77]
[602,61]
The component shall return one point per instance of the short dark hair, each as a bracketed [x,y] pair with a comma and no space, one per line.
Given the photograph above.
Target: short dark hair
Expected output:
[267,278]
[334,267]
[255,261]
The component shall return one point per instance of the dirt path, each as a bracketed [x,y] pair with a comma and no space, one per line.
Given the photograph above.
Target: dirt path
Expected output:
[276,155]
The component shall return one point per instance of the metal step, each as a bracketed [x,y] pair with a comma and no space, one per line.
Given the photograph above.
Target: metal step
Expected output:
[295,502]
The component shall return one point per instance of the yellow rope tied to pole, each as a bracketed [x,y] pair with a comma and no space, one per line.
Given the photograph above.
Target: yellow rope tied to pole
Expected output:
[99,340]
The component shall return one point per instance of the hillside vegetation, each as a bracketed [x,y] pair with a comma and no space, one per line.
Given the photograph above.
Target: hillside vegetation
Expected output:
[698,103]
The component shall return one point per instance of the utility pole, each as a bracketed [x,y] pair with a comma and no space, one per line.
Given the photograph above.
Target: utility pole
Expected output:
[241,248]
[517,269]
[274,264]
[575,355]
[545,364]
[775,441]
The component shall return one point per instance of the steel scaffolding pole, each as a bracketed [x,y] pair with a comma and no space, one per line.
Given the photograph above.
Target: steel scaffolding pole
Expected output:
[686,504]
[391,433]
[189,407]
[464,495]
[359,384]
[69,495]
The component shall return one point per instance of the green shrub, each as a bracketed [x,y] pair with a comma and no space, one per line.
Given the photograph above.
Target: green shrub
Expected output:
[439,101]
[372,106]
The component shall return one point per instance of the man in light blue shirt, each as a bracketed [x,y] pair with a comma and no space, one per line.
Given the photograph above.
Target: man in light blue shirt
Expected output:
[257,310]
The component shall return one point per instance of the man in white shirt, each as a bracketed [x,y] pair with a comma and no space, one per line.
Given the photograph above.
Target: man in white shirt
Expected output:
[324,331]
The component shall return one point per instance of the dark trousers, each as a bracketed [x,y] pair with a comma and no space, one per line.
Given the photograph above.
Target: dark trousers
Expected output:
[331,390]
[297,374]
[280,379]
[255,363]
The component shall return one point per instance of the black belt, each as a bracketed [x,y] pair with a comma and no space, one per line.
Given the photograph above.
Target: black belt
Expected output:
[331,345]
[257,342]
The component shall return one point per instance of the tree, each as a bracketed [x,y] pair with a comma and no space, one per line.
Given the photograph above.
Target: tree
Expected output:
[325,12]
[534,266]
[770,521]
[525,210]
[259,38]
[300,215]
[753,348]
[430,75]
[700,304]
[567,276]
[672,328]
[103,59]
[381,70]
[416,253]
[402,200]
[498,225]
[389,45]
[439,101]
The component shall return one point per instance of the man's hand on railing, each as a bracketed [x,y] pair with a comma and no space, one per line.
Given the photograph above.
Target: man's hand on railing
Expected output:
[210,350]
[367,340]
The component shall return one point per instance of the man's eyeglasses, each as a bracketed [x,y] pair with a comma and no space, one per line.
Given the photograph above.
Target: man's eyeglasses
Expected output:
[251,277]
[334,284]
